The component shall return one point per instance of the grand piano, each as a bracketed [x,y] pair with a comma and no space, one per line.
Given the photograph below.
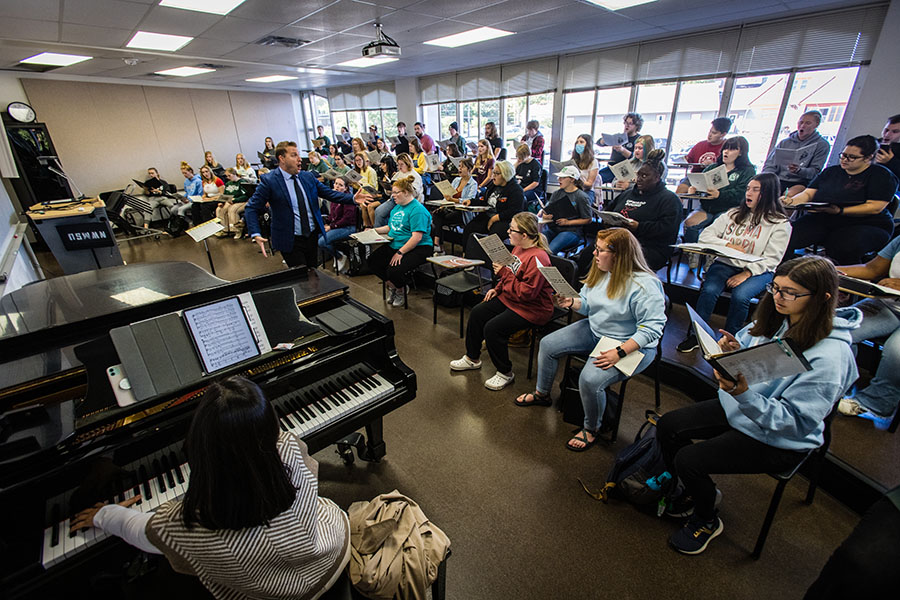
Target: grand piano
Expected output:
[65,442]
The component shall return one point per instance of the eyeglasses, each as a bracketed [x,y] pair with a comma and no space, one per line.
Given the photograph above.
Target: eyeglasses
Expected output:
[511,230]
[789,296]
[850,157]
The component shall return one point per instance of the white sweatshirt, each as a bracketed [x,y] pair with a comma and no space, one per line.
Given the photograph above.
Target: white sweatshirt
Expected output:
[768,240]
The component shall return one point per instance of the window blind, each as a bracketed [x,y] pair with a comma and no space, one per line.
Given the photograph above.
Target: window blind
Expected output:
[696,55]
[835,39]
[535,77]
[477,84]
[368,96]
[438,88]
[599,69]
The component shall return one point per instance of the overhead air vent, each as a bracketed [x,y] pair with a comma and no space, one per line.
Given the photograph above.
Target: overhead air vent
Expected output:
[212,66]
[285,42]
[32,68]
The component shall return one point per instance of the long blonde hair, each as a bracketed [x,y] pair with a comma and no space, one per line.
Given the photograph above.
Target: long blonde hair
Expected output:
[488,154]
[628,259]
[242,162]
[528,224]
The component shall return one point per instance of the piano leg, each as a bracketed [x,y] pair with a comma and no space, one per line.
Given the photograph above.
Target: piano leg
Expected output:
[371,451]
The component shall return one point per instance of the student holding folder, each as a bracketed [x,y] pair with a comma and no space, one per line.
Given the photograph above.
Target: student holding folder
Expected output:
[768,426]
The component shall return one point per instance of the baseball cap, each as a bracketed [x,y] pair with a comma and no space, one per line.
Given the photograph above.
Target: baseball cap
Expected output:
[569,171]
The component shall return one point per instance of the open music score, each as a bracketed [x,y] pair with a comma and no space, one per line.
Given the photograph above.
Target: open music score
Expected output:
[221,334]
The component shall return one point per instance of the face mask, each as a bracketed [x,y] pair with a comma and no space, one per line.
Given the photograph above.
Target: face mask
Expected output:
[579,148]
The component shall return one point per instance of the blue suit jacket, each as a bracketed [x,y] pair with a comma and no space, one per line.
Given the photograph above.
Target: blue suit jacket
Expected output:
[272,190]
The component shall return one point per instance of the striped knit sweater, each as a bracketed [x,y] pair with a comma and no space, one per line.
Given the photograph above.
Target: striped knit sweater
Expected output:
[294,557]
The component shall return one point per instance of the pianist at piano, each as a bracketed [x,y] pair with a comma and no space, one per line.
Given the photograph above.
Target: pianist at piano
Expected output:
[251,492]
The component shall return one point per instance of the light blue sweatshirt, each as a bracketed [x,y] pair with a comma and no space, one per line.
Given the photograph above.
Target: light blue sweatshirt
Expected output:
[639,314]
[789,412]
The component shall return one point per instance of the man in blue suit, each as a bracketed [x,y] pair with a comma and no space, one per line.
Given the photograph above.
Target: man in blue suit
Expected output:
[293,198]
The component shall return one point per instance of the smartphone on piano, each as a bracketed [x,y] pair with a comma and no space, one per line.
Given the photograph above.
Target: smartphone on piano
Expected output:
[121,387]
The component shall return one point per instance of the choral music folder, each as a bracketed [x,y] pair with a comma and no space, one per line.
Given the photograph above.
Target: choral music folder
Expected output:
[764,362]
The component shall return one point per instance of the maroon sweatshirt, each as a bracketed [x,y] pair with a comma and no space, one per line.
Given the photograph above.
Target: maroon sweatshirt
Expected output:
[526,292]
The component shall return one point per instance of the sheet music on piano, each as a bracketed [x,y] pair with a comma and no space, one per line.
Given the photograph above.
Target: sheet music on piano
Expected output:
[221,333]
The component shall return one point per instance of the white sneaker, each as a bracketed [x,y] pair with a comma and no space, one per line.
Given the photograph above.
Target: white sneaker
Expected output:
[851,408]
[499,381]
[399,298]
[438,251]
[464,364]
[391,294]
[343,264]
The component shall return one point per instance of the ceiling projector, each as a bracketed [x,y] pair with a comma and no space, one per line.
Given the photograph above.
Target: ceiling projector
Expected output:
[382,46]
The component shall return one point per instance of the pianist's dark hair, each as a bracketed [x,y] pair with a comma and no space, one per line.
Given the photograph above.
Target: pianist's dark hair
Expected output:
[238,479]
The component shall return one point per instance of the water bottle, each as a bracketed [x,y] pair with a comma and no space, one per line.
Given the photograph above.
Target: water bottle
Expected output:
[656,483]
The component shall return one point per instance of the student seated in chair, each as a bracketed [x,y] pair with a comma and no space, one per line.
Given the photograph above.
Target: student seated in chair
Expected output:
[623,301]
[856,220]
[521,299]
[706,152]
[739,170]
[881,317]
[770,426]
[759,227]
[253,494]
[655,212]
[569,211]
[409,228]
[244,170]
[230,211]
[466,189]
[795,177]
[503,197]
[339,224]
[528,176]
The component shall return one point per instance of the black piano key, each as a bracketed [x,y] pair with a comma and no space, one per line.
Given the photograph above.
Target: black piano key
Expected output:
[170,477]
[362,382]
[176,464]
[282,419]
[296,411]
[160,480]
[55,518]
[145,483]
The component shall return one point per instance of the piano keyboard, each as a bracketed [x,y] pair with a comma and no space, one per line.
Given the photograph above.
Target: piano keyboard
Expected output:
[165,474]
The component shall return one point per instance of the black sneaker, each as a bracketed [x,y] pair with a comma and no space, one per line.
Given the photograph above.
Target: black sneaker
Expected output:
[682,505]
[695,536]
[689,344]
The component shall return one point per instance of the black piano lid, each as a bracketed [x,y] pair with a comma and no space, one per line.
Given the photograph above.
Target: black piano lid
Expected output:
[47,317]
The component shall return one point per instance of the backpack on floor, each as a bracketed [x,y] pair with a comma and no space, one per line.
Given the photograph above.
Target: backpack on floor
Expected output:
[633,466]
[176,225]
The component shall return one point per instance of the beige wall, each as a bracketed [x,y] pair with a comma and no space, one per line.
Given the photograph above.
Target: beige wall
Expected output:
[106,134]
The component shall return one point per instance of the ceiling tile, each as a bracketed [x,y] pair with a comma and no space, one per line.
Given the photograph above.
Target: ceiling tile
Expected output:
[175,21]
[40,10]
[29,29]
[212,48]
[278,11]
[239,30]
[124,15]
[94,36]
[254,52]
[492,16]
[303,33]
[96,66]
[343,15]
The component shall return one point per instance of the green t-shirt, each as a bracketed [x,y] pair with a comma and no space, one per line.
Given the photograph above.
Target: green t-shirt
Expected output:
[407,219]
[234,189]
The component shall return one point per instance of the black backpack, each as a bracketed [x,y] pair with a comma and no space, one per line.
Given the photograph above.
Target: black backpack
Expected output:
[176,226]
[633,466]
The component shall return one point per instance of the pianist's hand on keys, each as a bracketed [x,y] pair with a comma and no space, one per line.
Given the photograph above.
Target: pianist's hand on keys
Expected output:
[85,519]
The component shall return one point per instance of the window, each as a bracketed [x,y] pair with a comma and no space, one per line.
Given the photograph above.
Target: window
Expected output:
[431,120]
[612,104]
[698,104]
[540,108]
[339,119]
[448,115]
[826,91]
[355,122]
[389,120]
[488,110]
[654,103]
[514,126]
[754,108]
[578,112]
[373,117]
[468,122]
[323,117]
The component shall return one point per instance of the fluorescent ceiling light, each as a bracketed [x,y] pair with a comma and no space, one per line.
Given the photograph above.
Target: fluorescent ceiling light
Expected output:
[366,62]
[216,7]
[619,4]
[473,36]
[312,70]
[158,41]
[55,60]
[185,71]
[271,79]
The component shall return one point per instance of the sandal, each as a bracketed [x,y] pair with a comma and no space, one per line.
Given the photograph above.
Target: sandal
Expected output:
[581,436]
[536,400]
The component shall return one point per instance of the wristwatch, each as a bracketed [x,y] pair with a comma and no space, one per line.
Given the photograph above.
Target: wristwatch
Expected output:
[400,252]
[621,352]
